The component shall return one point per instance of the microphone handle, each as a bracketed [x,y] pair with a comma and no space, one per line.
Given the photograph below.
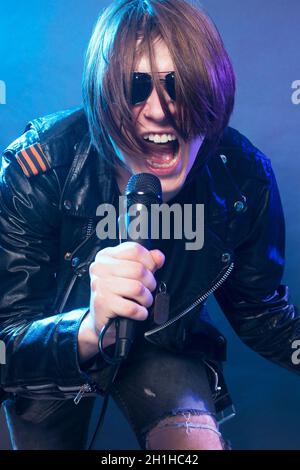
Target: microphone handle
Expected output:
[125,332]
[126,327]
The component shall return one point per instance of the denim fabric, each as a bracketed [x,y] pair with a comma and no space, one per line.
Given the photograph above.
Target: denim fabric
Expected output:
[155,383]
[152,384]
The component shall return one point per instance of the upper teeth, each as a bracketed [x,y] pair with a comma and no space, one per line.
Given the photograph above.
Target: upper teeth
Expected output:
[160,139]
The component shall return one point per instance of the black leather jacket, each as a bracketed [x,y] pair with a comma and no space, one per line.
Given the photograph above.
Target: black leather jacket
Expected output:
[48,240]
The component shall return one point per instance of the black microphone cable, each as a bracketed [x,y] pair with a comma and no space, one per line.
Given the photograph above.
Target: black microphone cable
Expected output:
[121,351]
[143,189]
[116,362]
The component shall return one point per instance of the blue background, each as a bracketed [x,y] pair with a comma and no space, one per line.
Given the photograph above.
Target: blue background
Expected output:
[42,46]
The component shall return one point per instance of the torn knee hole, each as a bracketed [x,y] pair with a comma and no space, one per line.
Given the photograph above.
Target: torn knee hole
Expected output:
[188,421]
[185,431]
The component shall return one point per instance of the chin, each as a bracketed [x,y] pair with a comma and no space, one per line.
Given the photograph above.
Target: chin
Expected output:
[170,190]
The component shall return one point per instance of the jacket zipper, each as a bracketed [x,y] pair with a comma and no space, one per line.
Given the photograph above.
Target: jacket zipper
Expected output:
[194,304]
[81,390]
[34,388]
[89,233]
[88,387]
[90,227]
[85,388]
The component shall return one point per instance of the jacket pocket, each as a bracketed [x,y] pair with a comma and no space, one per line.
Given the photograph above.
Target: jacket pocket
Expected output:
[37,411]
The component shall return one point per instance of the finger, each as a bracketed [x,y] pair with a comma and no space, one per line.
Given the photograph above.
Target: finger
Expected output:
[133,251]
[127,288]
[123,308]
[111,267]
[158,258]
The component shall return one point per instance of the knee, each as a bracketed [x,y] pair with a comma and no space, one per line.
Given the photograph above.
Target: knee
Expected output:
[185,431]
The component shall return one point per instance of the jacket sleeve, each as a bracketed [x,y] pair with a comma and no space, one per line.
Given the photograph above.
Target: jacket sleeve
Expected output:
[255,302]
[40,347]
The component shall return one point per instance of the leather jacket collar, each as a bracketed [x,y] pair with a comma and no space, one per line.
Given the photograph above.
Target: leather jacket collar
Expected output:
[91,181]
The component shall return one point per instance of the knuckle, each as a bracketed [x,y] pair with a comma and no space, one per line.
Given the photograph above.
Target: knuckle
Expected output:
[131,309]
[98,302]
[143,312]
[101,255]
[98,256]
[149,300]
[135,311]
[96,268]
[154,283]
[92,269]
[95,284]
[138,250]
[140,271]
[138,288]
[106,251]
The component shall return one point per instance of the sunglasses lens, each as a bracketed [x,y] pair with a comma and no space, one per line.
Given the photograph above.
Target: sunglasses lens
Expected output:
[170,85]
[141,87]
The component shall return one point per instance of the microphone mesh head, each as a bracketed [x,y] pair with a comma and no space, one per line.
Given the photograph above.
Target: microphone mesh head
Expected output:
[144,188]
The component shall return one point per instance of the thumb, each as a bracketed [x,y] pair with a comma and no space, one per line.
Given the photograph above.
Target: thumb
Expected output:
[158,258]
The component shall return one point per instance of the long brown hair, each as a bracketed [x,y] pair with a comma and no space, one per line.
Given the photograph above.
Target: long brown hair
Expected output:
[205,81]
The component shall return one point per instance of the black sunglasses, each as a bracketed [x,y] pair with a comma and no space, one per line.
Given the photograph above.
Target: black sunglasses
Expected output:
[142,86]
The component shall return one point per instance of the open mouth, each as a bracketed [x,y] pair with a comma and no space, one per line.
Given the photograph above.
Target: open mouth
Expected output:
[163,153]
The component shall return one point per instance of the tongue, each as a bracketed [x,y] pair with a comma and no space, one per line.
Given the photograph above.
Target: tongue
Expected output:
[165,158]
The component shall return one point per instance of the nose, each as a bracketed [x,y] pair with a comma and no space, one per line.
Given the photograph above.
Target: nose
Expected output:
[153,109]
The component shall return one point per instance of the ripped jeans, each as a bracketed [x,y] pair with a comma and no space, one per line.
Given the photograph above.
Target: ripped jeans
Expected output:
[157,385]
[152,387]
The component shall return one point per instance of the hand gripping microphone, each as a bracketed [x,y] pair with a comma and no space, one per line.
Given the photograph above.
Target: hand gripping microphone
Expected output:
[142,191]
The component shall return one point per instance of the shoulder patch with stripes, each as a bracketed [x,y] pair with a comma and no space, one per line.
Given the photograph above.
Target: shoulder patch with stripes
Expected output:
[33,160]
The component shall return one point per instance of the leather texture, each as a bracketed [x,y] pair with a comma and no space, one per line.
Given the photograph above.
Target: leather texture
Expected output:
[48,240]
